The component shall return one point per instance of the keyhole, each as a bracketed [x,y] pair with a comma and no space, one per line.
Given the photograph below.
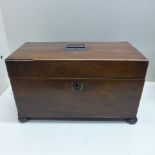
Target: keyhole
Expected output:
[77,86]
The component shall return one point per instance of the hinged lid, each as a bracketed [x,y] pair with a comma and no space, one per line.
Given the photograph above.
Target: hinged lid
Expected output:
[77,60]
[114,51]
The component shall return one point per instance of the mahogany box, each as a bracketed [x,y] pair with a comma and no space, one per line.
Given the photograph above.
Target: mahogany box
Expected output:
[83,81]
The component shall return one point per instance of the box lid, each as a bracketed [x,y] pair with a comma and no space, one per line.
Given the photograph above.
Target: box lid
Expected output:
[77,51]
[77,60]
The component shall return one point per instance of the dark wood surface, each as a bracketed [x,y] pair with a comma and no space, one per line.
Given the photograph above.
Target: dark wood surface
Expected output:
[94,51]
[42,74]
[38,98]
[78,69]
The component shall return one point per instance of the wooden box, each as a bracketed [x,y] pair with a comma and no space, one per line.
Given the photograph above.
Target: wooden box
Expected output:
[90,80]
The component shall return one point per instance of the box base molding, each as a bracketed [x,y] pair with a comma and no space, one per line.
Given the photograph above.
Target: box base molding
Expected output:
[128,120]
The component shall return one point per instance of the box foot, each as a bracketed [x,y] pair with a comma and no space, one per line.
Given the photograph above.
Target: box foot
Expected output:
[23,119]
[131,120]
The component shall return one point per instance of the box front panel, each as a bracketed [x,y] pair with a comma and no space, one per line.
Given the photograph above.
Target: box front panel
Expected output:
[76,98]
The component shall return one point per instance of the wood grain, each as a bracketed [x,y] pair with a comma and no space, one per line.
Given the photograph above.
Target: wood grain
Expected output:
[44,98]
[78,69]
[94,51]
[112,77]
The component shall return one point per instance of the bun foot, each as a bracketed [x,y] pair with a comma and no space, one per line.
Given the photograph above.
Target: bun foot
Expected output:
[23,120]
[131,120]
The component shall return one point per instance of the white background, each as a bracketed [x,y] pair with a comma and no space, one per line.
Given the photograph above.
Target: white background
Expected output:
[4,51]
[82,20]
